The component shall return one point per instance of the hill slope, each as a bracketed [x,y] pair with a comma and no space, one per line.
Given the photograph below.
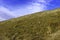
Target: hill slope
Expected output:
[39,26]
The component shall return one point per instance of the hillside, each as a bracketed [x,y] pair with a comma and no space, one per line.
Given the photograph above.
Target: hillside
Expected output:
[38,26]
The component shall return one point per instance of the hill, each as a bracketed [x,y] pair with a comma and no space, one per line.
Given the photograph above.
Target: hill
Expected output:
[38,26]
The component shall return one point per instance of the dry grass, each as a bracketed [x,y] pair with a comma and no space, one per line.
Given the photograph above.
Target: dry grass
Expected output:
[39,26]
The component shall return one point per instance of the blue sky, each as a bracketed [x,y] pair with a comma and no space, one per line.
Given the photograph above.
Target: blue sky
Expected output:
[15,8]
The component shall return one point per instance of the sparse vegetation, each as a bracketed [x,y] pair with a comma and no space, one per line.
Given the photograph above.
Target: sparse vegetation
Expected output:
[39,26]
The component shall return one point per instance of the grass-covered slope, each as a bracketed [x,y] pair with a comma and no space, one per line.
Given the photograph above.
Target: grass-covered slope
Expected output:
[39,26]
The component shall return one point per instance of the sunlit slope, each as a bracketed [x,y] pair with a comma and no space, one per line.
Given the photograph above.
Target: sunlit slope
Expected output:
[38,26]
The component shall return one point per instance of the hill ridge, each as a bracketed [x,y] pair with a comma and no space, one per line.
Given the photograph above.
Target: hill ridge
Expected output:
[37,26]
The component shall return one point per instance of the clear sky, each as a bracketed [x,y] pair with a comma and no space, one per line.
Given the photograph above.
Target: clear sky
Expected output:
[15,8]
